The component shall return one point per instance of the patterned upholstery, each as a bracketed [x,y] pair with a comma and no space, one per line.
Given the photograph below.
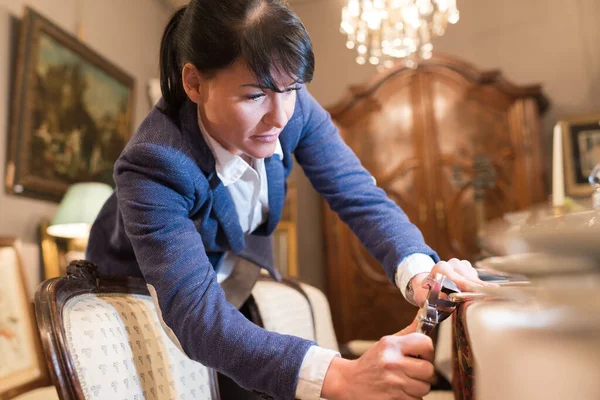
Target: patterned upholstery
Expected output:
[120,351]
[295,309]
[322,316]
[284,309]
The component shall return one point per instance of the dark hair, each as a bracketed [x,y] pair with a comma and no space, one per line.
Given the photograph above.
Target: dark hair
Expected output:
[212,34]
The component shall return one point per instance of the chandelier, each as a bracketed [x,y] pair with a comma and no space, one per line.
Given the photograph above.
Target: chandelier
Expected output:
[385,30]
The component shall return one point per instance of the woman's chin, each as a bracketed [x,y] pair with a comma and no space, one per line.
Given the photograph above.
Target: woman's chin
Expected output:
[263,150]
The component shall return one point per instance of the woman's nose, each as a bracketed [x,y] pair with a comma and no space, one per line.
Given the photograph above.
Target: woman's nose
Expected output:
[276,116]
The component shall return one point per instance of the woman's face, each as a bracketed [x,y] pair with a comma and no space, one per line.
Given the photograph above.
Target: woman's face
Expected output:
[242,116]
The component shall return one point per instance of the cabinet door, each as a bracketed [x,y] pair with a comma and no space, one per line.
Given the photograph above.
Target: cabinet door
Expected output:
[479,138]
[430,137]
[381,131]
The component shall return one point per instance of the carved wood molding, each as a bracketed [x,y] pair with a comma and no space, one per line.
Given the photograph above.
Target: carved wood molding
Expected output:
[494,78]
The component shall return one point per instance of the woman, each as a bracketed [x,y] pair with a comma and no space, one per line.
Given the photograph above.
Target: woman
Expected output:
[200,187]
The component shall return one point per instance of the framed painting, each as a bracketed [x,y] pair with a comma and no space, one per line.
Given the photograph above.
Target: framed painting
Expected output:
[581,138]
[22,365]
[72,113]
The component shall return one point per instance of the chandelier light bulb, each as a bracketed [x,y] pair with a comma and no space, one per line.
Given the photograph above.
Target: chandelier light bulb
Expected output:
[382,31]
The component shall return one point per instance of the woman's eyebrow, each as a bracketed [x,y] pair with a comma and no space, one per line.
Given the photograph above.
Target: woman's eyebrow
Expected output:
[255,85]
[262,87]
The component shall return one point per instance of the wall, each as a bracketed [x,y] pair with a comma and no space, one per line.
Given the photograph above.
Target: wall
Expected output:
[127,33]
[551,42]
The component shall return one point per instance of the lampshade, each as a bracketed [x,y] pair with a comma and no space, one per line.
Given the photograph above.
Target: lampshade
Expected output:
[78,209]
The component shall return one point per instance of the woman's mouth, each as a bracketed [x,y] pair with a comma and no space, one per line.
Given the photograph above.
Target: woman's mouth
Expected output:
[265,138]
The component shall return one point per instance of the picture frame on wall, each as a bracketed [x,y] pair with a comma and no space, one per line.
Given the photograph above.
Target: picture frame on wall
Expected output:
[72,113]
[22,365]
[581,152]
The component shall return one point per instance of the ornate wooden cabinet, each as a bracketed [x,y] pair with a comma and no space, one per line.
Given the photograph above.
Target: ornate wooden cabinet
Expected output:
[453,147]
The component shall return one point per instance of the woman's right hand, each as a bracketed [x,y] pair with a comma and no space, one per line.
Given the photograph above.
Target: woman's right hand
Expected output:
[388,370]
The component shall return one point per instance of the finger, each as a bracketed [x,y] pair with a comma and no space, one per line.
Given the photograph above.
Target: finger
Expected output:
[409,397]
[419,369]
[416,388]
[467,270]
[406,396]
[412,328]
[463,283]
[417,345]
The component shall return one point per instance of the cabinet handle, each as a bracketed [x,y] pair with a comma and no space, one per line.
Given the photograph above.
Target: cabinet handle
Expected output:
[440,213]
[422,213]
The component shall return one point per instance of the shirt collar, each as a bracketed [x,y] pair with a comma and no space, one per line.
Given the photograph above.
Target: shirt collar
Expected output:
[230,167]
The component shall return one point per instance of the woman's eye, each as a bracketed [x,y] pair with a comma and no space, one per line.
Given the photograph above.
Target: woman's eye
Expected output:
[292,89]
[255,96]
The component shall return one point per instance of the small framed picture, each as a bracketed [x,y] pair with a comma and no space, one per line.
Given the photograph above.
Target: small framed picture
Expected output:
[285,250]
[285,240]
[581,139]
[22,365]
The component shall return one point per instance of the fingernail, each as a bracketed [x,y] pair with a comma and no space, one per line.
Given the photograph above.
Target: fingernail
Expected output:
[472,286]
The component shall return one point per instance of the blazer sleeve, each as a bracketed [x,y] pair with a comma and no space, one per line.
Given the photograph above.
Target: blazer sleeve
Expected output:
[157,188]
[350,190]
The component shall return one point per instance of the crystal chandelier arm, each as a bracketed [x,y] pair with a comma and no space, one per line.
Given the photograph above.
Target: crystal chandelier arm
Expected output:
[385,30]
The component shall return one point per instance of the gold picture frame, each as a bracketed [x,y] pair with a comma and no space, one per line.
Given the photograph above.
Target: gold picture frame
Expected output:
[72,112]
[581,151]
[285,237]
[285,249]
[22,365]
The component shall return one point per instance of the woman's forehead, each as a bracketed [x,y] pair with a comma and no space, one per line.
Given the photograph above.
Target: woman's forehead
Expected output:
[239,74]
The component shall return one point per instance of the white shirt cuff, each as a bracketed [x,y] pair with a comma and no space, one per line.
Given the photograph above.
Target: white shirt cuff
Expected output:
[410,266]
[312,372]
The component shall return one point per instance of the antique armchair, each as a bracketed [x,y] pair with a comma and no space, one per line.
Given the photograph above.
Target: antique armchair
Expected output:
[103,339]
[295,308]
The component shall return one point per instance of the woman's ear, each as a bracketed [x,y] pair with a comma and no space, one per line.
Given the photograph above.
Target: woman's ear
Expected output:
[192,82]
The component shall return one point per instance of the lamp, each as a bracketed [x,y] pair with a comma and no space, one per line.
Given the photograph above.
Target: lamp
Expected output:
[78,209]
[384,30]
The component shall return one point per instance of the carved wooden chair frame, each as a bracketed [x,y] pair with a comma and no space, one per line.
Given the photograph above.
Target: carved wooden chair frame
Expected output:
[50,299]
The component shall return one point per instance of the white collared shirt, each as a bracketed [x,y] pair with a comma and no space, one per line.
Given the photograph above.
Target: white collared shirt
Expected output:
[247,186]
[243,181]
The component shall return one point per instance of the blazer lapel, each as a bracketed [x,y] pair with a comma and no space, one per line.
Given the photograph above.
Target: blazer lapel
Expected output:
[225,212]
[223,207]
[276,185]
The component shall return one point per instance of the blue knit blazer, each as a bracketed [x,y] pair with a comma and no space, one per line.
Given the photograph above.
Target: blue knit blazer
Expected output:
[171,219]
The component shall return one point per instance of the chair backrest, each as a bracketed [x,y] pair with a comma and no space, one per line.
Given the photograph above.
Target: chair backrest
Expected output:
[103,340]
[21,357]
[294,308]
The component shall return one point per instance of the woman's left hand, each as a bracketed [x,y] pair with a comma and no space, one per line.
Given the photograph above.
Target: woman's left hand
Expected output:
[461,272]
